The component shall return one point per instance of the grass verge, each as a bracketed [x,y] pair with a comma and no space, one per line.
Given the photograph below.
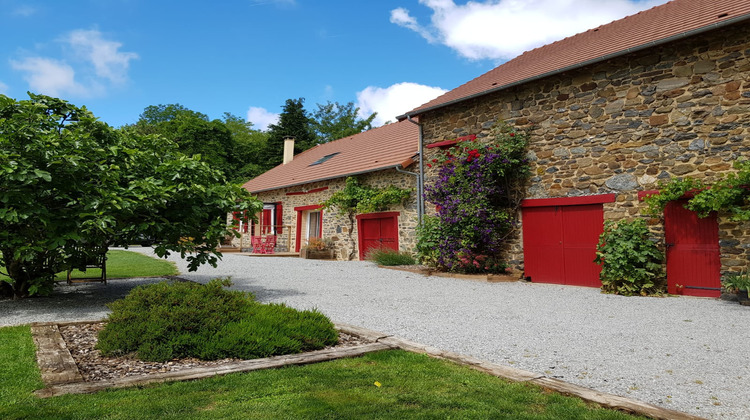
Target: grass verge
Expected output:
[127,264]
[411,386]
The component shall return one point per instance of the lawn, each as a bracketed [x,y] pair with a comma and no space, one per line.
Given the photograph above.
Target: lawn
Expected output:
[125,264]
[128,264]
[411,386]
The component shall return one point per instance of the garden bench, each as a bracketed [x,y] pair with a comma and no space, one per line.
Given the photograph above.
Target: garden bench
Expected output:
[85,257]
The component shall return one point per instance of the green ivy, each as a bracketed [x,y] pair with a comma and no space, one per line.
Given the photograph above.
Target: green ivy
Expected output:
[729,195]
[356,198]
[631,262]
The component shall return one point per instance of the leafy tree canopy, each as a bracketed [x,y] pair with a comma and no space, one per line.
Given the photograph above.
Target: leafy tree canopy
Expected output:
[294,121]
[71,181]
[333,121]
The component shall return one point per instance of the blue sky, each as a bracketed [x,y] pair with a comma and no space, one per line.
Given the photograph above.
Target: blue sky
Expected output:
[248,56]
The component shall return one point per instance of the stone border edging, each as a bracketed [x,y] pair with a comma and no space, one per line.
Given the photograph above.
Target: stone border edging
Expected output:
[490,278]
[61,375]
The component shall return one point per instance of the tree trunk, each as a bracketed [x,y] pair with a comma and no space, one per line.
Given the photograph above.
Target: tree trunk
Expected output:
[352,243]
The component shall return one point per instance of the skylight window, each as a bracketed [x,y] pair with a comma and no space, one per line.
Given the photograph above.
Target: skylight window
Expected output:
[323,159]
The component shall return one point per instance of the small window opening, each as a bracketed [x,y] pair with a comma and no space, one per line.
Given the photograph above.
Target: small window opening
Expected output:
[723,15]
[323,159]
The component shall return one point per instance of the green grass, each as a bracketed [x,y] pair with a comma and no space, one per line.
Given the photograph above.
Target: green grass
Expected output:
[389,257]
[123,265]
[412,386]
[127,264]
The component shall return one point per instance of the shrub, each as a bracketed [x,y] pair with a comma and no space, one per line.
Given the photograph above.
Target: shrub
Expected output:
[390,257]
[428,238]
[165,321]
[736,282]
[477,193]
[631,262]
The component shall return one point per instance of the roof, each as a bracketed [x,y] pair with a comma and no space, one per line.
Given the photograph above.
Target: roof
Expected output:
[380,148]
[658,25]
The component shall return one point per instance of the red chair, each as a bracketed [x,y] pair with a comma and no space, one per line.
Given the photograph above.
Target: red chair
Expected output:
[270,244]
[257,243]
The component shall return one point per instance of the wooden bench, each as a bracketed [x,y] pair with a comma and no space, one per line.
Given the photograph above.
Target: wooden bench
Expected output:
[85,257]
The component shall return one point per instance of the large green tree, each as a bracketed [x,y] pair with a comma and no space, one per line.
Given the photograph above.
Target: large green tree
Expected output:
[333,121]
[193,132]
[71,181]
[249,145]
[294,121]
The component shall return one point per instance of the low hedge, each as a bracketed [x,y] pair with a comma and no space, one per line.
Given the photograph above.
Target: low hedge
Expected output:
[171,320]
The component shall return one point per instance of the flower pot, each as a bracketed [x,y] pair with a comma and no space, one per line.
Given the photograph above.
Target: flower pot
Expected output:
[742,297]
[316,254]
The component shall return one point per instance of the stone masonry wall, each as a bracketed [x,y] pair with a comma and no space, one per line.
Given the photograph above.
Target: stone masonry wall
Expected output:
[337,226]
[620,126]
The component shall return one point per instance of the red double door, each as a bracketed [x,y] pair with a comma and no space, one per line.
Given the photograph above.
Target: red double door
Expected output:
[377,231]
[559,244]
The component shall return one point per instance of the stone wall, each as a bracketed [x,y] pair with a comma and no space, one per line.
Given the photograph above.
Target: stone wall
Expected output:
[337,226]
[621,126]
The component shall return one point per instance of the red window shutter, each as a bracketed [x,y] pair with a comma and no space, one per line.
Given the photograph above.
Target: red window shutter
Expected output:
[279,219]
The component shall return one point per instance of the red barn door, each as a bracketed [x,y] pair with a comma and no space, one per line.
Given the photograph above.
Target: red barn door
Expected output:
[693,258]
[377,231]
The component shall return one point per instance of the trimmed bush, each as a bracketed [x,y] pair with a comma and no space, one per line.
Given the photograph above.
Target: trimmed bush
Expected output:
[167,321]
[391,257]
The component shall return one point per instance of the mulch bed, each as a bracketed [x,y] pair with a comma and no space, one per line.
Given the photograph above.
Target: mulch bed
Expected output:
[81,340]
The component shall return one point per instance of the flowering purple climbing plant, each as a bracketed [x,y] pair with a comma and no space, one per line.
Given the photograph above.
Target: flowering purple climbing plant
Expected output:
[477,193]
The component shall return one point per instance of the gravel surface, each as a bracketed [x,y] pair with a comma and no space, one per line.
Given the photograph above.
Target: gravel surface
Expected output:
[688,354]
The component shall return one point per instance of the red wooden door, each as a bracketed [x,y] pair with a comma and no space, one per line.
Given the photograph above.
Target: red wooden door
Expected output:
[542,244]
[559,244]
[377,233]
[693,259]
[581,228]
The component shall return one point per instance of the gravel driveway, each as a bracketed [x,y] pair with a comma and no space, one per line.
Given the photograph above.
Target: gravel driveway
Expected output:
[688,354]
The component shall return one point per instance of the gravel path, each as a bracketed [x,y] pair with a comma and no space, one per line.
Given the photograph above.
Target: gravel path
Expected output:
[687,354]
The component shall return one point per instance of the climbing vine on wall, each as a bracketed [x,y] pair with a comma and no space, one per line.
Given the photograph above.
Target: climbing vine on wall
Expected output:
[729,195]
[477,193]
[356,198]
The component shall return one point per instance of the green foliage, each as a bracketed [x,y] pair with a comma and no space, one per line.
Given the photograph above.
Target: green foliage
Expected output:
[428,237]
[294,121]
[70,179]
[165,321]
[334,121]
[736,282]
[729,195]
[631,262]
[358,198]
[389,257]
[477,191]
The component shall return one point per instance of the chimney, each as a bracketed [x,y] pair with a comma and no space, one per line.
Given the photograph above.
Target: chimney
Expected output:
[288,150]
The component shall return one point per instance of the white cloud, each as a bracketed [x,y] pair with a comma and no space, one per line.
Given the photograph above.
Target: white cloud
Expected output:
[3,89]
[95,65]
[24,11]
[261,117]
[503,29]
[394,100]
[50,77]
[109,63]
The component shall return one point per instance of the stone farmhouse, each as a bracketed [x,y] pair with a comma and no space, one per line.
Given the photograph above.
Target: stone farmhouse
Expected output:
[612,111]
[292,193]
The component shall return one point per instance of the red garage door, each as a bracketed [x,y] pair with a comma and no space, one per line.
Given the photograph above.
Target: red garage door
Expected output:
[693,259]
[560,237]
[376,231]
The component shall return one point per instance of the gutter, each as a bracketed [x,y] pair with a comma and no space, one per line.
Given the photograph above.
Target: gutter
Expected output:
[420,178]
[662,41]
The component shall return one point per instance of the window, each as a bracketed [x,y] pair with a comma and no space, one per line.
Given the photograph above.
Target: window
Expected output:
[323,159]
[313,225]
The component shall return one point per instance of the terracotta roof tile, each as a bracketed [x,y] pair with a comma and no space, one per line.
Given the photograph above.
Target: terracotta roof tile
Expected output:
[380,148]
[659,24]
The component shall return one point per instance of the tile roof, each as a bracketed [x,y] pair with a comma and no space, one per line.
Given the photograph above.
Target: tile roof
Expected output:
[380,148]
[651,27]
